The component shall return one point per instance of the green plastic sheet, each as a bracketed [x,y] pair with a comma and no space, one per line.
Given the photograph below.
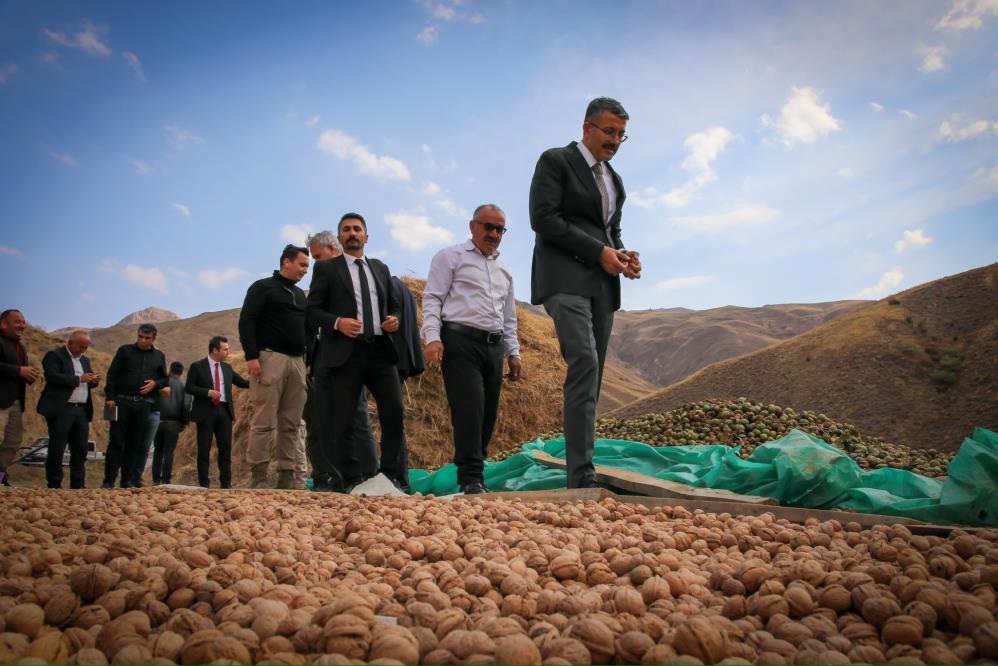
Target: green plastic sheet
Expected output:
[796,470]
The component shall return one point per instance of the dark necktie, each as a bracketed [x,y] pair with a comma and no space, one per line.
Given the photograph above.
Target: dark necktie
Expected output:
[601,186]
[218,388]
[365,301]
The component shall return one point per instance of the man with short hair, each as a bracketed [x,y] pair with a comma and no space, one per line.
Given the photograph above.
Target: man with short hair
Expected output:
[67,406]
[469,312]
[15,375]
[136,373]
[359,437]
[172,419]
[210,381]
[575,203]
[352,301]
[272,333]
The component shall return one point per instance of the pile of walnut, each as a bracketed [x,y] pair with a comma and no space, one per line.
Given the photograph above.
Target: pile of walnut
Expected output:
[159,577]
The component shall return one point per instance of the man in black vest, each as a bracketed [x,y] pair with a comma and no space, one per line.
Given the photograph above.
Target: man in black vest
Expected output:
[210,381]
[67,405]
[575,203]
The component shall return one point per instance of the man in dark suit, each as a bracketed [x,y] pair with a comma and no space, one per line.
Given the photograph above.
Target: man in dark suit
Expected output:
[575,203]
[351,299]
[15,375]
[210,382]
[67,405]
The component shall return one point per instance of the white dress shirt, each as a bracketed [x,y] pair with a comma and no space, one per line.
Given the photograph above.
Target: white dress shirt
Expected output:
[372,289]
[221,377]
[466,287]
[79,394]
[611,188]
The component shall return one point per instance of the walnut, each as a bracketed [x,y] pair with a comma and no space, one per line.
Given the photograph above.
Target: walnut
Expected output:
[206,646]
[516,649]
[973,617]
[596,636]
[877,610]
[197,559]
[632,646]
[799,601]
[135,653]
[436,656]
[477,585]
[167,645]
[25,619]
[565,567]
[660,654]
[450,619]
[986,640]
[628,600]
[50,647]
[90,616]
[60,608]
[903,629]
[767,606]
[734,608]
[92,580]
[347,635]
[463,643]
[90,656]
[393,642]
[700,638]
[569,649]
[866,654]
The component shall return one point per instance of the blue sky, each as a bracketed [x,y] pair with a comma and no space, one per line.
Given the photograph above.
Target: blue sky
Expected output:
[162,153]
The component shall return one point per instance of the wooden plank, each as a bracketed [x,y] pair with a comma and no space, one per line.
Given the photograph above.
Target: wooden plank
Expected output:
[652,487]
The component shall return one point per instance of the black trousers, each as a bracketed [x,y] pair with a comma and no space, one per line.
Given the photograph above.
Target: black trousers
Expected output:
[164,447]
[218,424]
[127,442]
[70,427]
[472,371]
[369,365]
[359,438]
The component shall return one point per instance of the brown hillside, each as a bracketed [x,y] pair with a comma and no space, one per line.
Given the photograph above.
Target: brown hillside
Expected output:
[668,345]
[150,315]
[918,368]
[530,406]
[622,385]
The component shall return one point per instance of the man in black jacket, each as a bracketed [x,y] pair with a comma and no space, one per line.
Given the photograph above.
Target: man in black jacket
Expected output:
[173,415]
[137,372]
[67,405]
[272,333]
[210,381]
[351,299]
[15,375]
[575,203]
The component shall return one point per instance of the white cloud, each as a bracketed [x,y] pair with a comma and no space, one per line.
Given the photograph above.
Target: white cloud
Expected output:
[11,252]
[746,216]
[134,62]
[379,254]
[180,138]
[702,148]
[448,207]
[803,118]
[145,276]
[182,209]
[141,168]
[7,71]
[311,122]
[932,60]
[888,281]
[428,36]
[344,146]
[431,189]
[89,39]
[414,231]
[912,238]
[213,279]
[64,159]
[990,176]
[846,172]
[689,282]
[908,114]
[443,12]
[49,57]
[951,130]
[964,14]
[876,106]
[296,233]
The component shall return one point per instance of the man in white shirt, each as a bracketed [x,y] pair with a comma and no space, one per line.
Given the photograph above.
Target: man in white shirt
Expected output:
[469,312]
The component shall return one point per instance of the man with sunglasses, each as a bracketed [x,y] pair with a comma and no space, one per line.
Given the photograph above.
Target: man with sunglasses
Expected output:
[469,311]
[575,203]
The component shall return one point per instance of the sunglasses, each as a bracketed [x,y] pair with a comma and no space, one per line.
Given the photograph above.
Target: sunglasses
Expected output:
[489,227]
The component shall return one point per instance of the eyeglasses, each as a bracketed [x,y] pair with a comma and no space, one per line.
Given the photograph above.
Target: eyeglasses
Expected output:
[489,227]
[611,132]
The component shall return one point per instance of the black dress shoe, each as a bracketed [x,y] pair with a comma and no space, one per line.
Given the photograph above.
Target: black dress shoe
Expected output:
[107,484]
[589,484]
[4,479]
[476,488]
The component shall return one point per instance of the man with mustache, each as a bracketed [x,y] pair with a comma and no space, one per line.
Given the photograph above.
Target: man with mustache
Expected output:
[15,375]
[575,203]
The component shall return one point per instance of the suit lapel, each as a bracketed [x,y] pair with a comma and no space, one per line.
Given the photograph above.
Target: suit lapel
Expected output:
[585,174]
[343,273]
[380,287]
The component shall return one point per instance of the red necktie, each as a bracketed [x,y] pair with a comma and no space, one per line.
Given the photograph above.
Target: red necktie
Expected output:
[218,387]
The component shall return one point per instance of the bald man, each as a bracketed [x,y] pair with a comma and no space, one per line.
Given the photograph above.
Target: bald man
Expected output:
[67,405]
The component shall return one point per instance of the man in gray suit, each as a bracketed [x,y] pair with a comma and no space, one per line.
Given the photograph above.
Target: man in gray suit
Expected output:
[575,203]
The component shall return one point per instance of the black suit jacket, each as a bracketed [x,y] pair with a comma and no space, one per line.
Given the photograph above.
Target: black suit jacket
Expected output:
[566,214]
[61,381]
[200,381]
[407,341]
[12,386]
[331,295]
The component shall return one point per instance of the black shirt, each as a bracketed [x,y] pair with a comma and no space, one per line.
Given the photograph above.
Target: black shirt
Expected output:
[131,367]
[273,317]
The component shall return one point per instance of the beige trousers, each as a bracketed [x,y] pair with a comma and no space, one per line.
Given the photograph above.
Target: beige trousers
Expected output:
[11,431]
[278,398]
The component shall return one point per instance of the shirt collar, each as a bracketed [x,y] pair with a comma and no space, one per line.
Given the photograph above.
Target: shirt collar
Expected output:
[71,353]
[584,149]
[470,247]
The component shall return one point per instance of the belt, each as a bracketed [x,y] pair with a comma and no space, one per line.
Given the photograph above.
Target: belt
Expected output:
[488,337]
[133,398]
[278,351]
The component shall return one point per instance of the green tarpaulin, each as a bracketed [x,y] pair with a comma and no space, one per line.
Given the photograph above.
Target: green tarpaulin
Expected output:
[796,470]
